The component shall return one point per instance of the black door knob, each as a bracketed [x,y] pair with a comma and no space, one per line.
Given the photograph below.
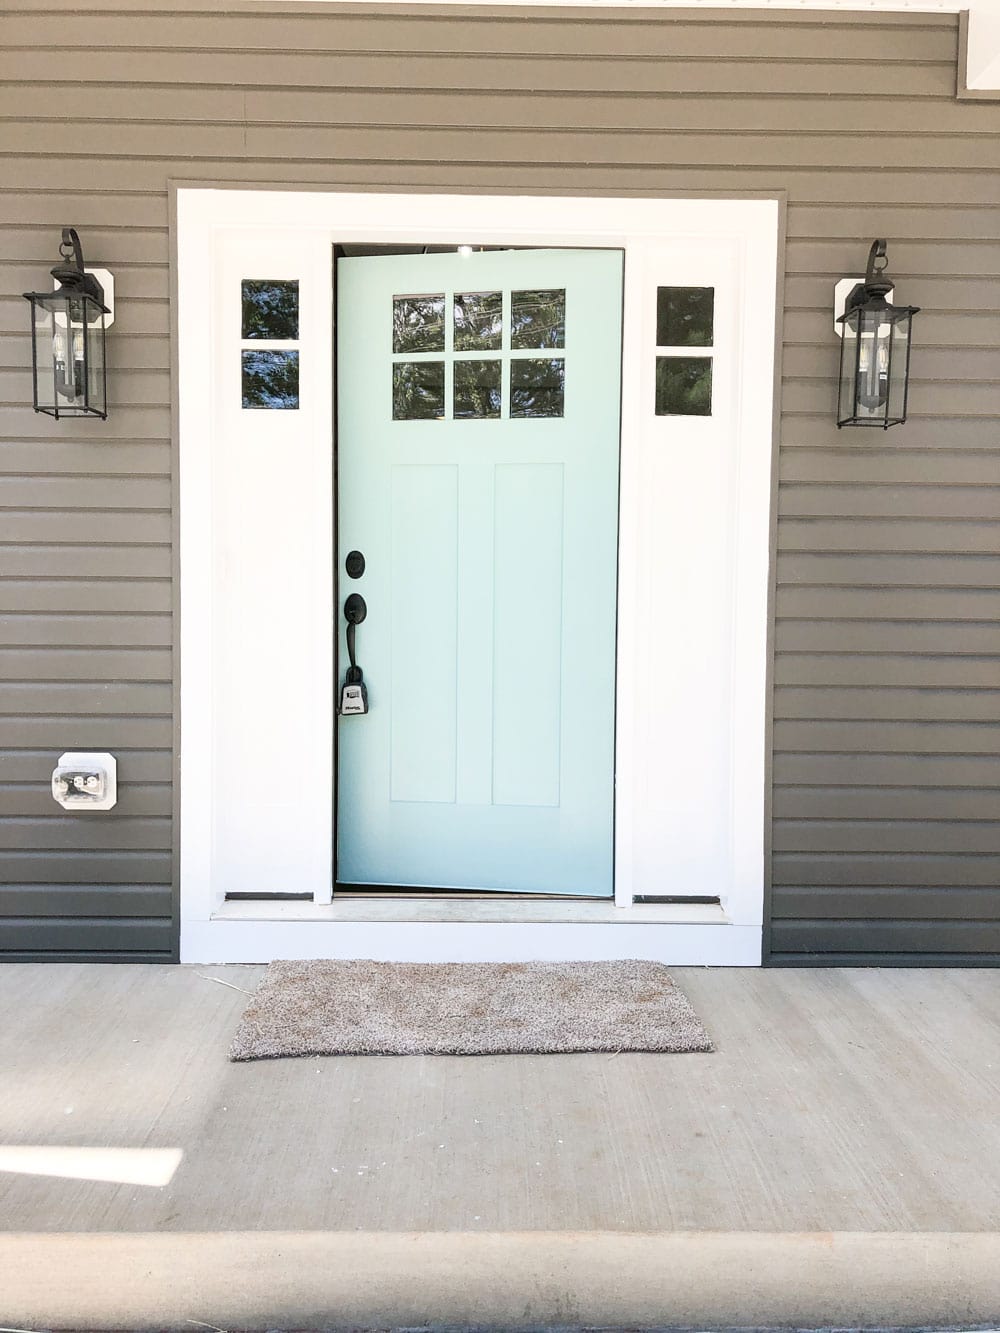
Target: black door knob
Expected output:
[355,609]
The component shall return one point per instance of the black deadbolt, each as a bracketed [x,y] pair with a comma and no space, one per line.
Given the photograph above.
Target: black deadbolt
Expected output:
[355,609]
[354,564]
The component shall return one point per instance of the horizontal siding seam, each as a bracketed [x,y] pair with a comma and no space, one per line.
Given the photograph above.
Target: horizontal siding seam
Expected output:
[501,127]
[183,165]
[714,58]
[487,13]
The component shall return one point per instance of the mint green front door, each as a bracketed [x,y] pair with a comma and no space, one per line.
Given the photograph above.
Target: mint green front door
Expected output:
[477,457]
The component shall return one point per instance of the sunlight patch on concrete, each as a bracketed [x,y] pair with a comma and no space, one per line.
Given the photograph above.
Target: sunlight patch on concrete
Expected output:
[123,1166]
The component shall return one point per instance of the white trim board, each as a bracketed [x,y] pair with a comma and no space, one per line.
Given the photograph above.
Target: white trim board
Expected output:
[691,656]
[470,942]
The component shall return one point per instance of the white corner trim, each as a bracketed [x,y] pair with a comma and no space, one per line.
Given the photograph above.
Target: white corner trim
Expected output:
[981,48]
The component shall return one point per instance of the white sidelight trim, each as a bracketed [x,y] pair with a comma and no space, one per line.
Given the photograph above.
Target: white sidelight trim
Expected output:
[693,577]
[256,657]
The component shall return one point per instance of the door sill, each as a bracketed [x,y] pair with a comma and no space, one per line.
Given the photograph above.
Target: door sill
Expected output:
[342,892]
[519,911]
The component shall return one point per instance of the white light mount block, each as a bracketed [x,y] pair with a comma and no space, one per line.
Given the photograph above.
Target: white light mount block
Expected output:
[841,292]
[85,781]
[107,280]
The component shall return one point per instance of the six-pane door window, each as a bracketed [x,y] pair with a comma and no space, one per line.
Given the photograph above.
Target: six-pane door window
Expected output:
[475,355]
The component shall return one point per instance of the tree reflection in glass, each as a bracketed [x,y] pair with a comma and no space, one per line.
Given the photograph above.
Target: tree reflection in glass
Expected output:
[270,308]
[685,316]
[270,379]
[537,387]
[477,389]
[478,321]
[683,386]
[417,390]
[538,318]
[418,323]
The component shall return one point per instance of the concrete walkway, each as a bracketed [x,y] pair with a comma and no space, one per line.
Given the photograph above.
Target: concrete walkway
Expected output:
[837,1161]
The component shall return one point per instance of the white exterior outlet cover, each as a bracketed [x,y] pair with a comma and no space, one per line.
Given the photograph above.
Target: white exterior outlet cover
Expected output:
[85,781]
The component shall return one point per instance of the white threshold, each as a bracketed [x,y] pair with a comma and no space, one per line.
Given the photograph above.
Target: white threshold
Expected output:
[517,911]
[429,931]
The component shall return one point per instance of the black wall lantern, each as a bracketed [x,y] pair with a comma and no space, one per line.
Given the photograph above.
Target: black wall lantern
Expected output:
[68,328]
[874,350]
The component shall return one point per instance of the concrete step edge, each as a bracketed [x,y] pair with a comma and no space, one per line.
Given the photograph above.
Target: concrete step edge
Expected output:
[517,1280]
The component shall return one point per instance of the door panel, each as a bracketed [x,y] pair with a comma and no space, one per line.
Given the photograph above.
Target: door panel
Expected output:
[478,425]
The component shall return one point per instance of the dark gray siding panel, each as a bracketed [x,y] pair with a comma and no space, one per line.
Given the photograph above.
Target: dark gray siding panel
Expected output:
[886,764]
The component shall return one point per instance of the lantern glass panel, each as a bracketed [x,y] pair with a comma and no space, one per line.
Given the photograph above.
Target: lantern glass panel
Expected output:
[899,366]
[874,345]
[866,364]
[69,351]
[69,355]
[848,368]
[44,326]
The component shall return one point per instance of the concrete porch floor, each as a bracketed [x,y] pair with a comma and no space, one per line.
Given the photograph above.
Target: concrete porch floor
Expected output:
[837,1161]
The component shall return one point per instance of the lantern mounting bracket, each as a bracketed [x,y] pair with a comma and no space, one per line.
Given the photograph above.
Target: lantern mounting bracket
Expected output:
[849,292]
[875,287]
[70,273]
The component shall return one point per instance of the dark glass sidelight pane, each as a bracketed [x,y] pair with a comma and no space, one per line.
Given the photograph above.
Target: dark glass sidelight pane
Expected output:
[478,321]
[418,323]
[537,387]
[477,389]
[270,308]
[685,316]
[270,379]
[683,386]
[538,318]
[417,390]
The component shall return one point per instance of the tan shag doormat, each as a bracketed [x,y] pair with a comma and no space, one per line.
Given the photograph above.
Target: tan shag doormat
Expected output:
[366,1008]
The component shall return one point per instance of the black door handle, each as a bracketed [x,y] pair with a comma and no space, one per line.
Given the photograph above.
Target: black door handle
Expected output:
[354,694]
[355,610]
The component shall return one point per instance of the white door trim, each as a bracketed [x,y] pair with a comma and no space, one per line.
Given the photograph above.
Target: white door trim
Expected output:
[662,239]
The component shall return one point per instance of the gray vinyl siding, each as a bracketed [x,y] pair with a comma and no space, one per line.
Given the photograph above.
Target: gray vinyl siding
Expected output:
[885,840]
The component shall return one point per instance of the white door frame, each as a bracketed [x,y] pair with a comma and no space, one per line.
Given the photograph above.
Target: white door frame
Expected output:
[255,522]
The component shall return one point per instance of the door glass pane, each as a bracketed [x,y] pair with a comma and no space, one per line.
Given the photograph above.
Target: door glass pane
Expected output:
[536,387]
[418,323]
[477,389]
[478,321]
[270,379]
[270,308]
[417,390]
[538,318]
[683,386]
[684,316]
